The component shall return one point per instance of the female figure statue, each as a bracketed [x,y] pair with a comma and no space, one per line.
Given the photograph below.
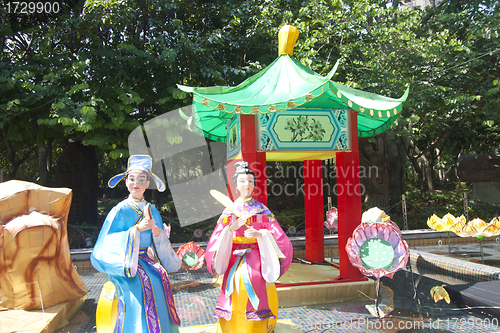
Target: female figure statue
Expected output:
[252,252]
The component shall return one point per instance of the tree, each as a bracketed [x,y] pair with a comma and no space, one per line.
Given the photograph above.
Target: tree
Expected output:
[100,70]
[448,55]
[97,70]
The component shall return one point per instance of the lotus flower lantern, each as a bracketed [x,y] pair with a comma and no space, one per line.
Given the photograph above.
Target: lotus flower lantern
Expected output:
[376,247]
[192,256]
[475,228]
[332,218]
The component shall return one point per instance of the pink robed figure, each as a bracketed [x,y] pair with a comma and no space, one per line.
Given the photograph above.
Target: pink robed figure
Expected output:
[252,252]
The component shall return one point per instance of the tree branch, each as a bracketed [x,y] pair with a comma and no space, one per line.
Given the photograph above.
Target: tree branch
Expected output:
[434,144]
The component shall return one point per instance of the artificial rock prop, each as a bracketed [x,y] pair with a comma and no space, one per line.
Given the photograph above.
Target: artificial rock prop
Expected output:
[35,264]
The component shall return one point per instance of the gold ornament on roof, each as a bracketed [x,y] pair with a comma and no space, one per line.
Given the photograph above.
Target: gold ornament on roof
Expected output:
[205,102]
[287,37]
[273,108]
[221,107]
[237,109]
[290,105]
[309,97]
[255,109]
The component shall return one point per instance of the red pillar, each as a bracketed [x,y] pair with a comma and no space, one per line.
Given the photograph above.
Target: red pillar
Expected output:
[256,160]
[348,199]
[313,194]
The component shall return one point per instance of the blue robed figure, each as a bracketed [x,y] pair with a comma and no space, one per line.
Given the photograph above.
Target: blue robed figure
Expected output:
[145,300]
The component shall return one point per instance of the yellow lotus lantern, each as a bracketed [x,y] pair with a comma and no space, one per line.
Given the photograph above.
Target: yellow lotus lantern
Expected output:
[475,228]
[439,293]
[433,221]
[458,227]
[446,223]
[479,229]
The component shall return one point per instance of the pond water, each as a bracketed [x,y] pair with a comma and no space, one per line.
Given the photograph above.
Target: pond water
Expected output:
[490,255]
[414,311]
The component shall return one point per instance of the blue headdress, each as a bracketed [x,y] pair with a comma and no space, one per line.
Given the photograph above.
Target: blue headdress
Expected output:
[141,163]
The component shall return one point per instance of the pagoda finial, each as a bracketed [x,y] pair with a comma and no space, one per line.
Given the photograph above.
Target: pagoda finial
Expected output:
[287,37]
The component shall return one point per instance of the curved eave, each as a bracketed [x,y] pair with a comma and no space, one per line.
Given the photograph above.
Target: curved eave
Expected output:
[376,113]
[369,126]
[283,85]
[372,105]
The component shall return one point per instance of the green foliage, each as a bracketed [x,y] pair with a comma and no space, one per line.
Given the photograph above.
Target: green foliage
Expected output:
[449,199]
[98,70]
[96,73]
[448,55]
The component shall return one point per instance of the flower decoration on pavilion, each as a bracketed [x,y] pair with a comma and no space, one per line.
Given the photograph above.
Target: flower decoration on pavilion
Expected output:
[376,247]
[332,219]
[439,293]
[192,256]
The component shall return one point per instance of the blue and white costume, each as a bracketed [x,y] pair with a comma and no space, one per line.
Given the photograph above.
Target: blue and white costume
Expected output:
[145,301]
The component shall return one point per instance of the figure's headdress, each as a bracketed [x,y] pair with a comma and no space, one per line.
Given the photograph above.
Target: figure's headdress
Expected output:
[141,163]
[241,165]
[241,168]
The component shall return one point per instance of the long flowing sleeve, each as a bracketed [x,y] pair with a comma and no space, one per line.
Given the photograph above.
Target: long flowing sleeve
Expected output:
[169,259]
[276,251]
[219,246]
[117,248]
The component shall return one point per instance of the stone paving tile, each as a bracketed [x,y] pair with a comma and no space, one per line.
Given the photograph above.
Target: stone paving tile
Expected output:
[414,309]
[196,306]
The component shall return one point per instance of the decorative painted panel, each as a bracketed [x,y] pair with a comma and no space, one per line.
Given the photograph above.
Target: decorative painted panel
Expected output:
[233,137]
[304,130]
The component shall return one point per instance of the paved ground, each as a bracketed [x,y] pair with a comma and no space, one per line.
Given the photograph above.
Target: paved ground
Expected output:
[414,309]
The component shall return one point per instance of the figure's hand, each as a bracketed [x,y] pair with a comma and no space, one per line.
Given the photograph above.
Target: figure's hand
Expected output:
[252,233]
[155,230]
[146,224]
[238,223]
[151,254]
[167,229]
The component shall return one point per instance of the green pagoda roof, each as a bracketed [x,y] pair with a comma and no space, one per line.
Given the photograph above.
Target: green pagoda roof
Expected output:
[286,84]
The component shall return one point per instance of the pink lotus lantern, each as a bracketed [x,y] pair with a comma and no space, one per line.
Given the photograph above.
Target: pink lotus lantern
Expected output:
[331,222]
[192,256]
[377,249]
